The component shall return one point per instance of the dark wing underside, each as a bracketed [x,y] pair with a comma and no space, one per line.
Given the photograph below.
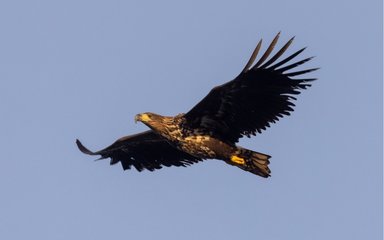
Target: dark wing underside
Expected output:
[145,150]
[260,95]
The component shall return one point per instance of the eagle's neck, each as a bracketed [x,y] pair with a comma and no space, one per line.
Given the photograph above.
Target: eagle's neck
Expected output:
[170,128]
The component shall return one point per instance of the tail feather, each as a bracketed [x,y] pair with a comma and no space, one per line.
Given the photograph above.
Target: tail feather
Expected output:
[254,162]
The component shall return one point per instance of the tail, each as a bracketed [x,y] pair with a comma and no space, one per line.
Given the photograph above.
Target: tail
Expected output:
[254,162]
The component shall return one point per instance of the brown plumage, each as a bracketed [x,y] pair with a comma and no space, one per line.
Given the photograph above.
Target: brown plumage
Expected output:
[260,95]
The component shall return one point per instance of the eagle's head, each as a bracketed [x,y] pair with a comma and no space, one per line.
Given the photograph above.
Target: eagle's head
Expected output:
[163,125]
[154,121]
[147,118]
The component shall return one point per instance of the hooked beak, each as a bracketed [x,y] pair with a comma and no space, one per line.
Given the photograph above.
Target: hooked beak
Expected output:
[137,118]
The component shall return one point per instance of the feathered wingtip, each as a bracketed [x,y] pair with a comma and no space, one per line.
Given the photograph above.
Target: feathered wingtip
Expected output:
[252,59]
[84,149]
[261,65]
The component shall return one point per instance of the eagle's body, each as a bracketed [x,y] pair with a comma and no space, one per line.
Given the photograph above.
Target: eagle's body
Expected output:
[202,145]
[242,107]
[183,138]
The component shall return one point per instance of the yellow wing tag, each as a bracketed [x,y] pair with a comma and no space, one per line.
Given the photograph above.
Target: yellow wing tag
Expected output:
[237,160]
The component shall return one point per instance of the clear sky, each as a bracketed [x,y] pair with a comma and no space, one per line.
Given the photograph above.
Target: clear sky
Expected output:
[83,69]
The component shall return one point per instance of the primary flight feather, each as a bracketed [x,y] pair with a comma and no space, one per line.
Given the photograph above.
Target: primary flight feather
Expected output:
[261,94]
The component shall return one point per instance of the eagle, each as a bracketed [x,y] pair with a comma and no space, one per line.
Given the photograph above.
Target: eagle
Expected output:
[261,94]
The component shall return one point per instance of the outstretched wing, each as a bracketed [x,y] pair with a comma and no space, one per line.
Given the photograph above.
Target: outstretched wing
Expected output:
[260,95]
[145,150]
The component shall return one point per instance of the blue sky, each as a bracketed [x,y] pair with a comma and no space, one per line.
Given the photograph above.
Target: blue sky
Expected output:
[83,69]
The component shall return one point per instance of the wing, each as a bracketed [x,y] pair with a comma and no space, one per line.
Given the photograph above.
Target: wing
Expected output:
[145,150]
[260,95]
